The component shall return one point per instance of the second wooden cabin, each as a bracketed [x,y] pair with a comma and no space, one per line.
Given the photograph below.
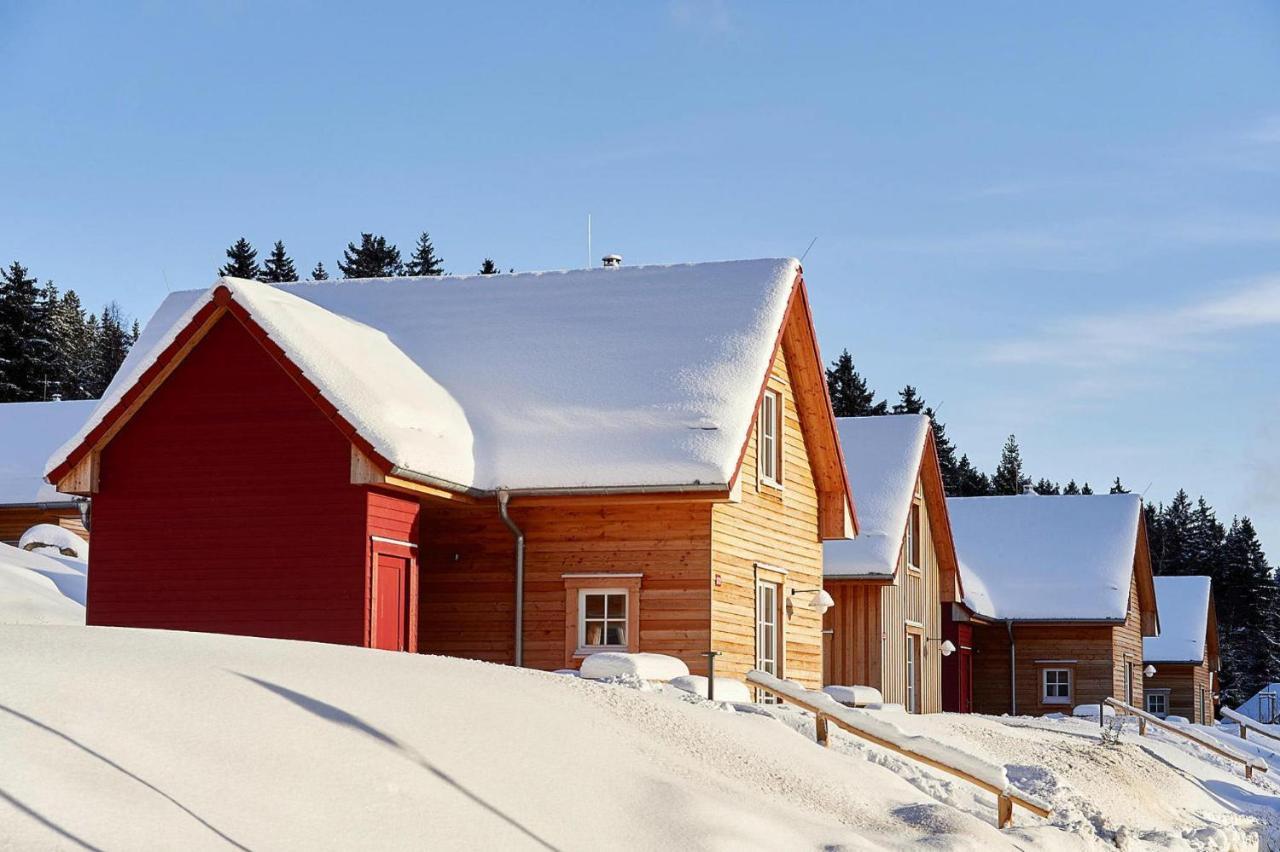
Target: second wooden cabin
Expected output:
[1185,654]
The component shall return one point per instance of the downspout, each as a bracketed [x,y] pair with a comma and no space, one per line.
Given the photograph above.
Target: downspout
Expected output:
[86,513]
[503,497]
[1013,670]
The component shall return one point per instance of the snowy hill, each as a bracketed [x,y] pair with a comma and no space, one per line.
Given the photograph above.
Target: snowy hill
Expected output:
[40,588]
[138,739]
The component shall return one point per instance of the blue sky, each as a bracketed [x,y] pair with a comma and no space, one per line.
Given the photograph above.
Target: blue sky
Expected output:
[1058,222]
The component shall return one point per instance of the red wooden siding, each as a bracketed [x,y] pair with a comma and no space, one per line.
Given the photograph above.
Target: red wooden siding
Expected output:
[225,506]
[391,528]
[957,669]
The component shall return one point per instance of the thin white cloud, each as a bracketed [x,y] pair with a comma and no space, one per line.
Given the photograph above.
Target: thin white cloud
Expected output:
[1132,335]
[708,15]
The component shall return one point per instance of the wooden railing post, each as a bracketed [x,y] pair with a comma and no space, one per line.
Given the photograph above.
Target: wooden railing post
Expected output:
[820,722]
[1004,811]
[1142,727]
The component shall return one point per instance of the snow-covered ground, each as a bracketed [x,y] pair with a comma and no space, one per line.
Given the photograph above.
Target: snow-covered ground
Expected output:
[138,739]
[41,587]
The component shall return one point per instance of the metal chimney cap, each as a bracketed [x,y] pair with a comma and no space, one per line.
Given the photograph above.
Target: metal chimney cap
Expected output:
[611,260]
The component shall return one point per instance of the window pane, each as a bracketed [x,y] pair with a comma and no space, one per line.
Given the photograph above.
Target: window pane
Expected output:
[595,606]
[616,634]
[617,606]
[594,633]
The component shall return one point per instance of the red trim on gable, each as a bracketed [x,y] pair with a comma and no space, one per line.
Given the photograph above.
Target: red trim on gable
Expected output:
[221,300]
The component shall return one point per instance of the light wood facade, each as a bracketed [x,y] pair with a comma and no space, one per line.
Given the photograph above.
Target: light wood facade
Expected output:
[15,520]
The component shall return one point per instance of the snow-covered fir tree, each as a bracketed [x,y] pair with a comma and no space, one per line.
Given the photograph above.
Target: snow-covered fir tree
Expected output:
[489,267]
[242,261]
[1044,486]
[278,267]
[909,402]
[424,260]
[319,273]
[373,258]
[850,396]
[1009,477]
[1071,488]
[19,367]
[1118,488]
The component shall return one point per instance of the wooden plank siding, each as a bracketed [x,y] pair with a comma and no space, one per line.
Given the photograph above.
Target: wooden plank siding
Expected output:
[15,520]
[1190,690]
[771,527]
[1126,643]
[870,622]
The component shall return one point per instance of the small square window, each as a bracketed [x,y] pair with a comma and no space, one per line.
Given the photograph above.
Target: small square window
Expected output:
[1158,704]
[1056,686]
[602,618]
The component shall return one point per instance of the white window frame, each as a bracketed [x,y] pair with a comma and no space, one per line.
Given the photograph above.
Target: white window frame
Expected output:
[607,620]
[1045,697]
[1163,695]
[769,443]
[912,652]
[911,546]
[764,626]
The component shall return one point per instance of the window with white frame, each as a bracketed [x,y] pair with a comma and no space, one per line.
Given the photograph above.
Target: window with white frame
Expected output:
[769,445]
[913,668]
[912,545]
[767,631]
[1158,703]
[602,618]
[1055,686]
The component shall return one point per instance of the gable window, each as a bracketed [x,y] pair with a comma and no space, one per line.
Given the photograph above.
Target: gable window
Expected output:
[602,618]
[912,545]
[1055,686]
[1158,704]
[769,443]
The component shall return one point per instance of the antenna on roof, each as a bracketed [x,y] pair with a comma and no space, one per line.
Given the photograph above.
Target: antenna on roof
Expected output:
[589,254]
[806,251]
[165,276]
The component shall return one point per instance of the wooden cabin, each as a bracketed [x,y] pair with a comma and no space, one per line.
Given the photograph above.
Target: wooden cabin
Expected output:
[517,468]
[891,582]
[1185,654]
[1058,596]
[29,433]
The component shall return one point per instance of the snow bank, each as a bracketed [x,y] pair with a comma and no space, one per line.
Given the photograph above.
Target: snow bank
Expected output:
[1051,557]
[1184,621]
[882,455]
[1091,710]
[40,589]
[640,375]
[642,666]
[29,432]
[65,541]
[133,739]
[857,696]
[727,689]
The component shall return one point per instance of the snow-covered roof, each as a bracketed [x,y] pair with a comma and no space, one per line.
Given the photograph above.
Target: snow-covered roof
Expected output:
[882,456]
[29,432]
[1047,558]
[603,378]
[1184,621]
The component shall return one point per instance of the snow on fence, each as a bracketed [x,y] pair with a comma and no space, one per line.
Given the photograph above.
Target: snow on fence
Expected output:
[1144,718]
[1247,724]
[944,758]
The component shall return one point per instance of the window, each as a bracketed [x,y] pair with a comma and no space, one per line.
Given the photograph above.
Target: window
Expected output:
[1055,686]
[602,618]
[913,668]
[1158,704]
[767,629]
[770,438]
[912,546]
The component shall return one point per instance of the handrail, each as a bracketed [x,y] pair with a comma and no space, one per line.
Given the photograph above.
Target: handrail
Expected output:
[1247,724]
[1144,718]
[1006,798]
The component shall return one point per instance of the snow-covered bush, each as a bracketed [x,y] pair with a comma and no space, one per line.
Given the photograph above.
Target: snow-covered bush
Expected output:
[727,689]
[856,695]
[609,664]
[65,541]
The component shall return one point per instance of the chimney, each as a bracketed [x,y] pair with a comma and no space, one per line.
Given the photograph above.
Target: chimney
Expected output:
[611,260]
[57,397]
[1029,490]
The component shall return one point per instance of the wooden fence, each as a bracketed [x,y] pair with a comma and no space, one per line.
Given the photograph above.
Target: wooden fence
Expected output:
[1144,718]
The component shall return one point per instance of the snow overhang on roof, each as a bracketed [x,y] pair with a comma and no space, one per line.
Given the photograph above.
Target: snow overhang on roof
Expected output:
[1047,558]
[633,378]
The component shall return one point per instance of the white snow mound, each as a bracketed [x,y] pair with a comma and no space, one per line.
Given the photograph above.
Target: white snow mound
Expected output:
[64,540]
[643,666]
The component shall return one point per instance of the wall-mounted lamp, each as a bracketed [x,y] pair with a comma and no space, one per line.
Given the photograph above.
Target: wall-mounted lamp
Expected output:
[821,599]
[947,648]
[1149,671]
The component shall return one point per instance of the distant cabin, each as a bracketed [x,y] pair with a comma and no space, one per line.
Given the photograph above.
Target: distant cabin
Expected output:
[521,468]
[29,433]
[891,582]
[1185,654]
[1058,597]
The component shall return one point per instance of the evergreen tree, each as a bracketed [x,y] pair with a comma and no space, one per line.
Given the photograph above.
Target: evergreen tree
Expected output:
[1117,488]
[1071,488]
[850,396]
[319,273]
[424,260]
[1174,556]
[42,345]
[1249,615]
[278,267]
[1204,541]
[909,402]
[946,455]
[19,367]
[1046,487]
[1009,478]
[242,261]
[374,258]
[971,482]
[111,347]
[1086,489]
[489,267]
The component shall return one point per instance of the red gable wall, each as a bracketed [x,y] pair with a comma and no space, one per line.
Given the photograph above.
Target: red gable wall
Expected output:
[225,506]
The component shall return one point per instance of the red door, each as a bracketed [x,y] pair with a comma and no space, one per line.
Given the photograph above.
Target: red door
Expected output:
[390,602]
[966,680]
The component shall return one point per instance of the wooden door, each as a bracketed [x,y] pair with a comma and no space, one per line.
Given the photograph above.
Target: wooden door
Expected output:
[391,602]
